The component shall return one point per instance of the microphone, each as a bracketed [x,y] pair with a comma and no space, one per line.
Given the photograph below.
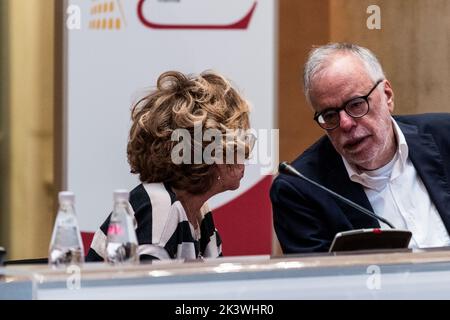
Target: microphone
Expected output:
[286,168]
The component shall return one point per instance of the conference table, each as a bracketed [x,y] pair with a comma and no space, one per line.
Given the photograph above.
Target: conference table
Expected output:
[405,274]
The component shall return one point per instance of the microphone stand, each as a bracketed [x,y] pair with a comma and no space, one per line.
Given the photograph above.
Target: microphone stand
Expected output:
[284,167]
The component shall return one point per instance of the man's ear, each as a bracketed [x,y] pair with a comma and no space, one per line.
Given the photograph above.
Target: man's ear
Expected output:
[389,93]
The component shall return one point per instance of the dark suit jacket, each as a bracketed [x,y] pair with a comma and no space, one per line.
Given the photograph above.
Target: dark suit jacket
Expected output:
[306,219]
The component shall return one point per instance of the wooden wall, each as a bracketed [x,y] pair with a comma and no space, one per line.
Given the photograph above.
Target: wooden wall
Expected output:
[31,93]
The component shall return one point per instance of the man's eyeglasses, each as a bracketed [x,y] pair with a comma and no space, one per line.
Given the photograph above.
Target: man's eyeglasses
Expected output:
[358,107]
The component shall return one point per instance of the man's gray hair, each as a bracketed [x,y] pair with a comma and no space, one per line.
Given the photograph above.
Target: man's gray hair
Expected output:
[319,57]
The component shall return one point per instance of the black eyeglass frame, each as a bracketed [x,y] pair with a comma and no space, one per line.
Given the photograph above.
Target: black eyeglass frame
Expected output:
[344,107]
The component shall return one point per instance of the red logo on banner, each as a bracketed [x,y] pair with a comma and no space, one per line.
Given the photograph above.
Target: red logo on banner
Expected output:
[240,24]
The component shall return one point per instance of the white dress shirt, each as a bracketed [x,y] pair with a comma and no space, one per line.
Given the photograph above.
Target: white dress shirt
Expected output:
[397,193]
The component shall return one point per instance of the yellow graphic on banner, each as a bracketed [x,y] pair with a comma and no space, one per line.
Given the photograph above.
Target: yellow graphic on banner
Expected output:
[107,15]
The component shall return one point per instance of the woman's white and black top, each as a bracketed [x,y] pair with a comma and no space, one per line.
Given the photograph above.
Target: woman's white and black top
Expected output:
[163,229]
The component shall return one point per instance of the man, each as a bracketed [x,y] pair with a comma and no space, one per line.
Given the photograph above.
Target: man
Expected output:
[397,167]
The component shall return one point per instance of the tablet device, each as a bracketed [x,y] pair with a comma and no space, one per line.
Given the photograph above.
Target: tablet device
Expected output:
[368,239]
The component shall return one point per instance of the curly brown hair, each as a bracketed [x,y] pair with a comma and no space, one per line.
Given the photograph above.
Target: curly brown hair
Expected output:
[178,102]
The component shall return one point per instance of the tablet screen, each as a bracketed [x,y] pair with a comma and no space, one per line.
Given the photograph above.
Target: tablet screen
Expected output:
[367,239]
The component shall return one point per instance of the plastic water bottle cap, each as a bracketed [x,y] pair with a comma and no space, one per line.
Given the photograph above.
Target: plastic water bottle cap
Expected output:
[66,196]
[121,194]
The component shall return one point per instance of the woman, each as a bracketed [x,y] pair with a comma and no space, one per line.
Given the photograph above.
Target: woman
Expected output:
[173,219]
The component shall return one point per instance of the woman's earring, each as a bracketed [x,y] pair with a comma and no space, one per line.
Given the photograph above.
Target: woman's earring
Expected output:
[218,177]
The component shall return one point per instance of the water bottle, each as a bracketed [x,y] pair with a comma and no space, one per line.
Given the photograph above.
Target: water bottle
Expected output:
[66,246]
[121,240]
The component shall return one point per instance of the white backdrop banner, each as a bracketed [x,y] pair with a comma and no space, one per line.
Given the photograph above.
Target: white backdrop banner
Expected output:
[116,56]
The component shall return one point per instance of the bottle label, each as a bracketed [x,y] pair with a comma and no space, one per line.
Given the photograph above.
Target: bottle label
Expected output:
[66,236]
[115,229]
